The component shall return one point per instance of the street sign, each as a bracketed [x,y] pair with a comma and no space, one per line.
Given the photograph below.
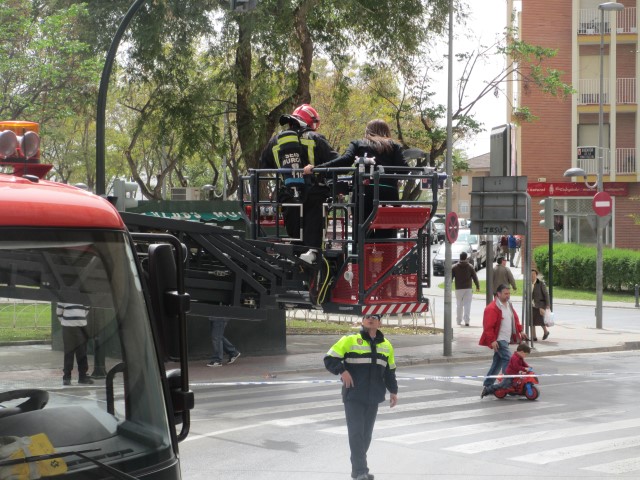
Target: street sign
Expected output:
[499,205]
[587,153]
[602,204]
[451,227]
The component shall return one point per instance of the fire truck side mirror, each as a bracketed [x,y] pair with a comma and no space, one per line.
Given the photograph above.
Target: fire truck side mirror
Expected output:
[169,306]
[163,281]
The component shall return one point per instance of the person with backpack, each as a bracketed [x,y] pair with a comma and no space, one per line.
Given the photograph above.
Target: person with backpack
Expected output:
[297,146]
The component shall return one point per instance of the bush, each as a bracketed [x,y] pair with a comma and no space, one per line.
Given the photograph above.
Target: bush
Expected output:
[574,266]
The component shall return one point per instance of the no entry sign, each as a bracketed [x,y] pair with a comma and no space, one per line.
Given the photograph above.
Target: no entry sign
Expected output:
[602,204]
[451,227]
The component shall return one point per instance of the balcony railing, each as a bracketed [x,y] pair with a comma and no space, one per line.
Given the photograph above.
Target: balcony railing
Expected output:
[589,21]
[625,162]
[626,21]
[626,90]
[590,165]
[589,91]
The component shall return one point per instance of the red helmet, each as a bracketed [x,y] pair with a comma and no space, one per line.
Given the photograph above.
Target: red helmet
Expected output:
[307,114]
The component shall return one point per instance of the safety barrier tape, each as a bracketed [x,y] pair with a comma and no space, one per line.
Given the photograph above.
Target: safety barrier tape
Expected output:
[425,377]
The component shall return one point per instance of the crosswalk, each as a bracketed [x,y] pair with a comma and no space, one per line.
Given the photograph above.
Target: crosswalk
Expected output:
[444,416]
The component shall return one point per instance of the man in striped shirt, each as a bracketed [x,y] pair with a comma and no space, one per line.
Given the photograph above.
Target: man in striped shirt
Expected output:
[73,318]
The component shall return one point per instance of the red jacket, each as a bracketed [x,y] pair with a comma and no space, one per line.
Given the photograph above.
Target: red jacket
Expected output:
[491,324]
[516,365]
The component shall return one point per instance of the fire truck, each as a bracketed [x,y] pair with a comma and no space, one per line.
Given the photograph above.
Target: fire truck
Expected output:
[138,276]
[61,245]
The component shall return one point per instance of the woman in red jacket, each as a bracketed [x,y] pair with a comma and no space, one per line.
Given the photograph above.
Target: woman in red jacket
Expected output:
[500,327]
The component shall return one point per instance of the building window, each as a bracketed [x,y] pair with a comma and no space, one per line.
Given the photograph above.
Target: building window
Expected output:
[464,181]
[577,224]
[464,207]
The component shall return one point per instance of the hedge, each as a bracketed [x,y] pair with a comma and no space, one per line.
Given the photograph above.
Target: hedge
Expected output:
[574,266]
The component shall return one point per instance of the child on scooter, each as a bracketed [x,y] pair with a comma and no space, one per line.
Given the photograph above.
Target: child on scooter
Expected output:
[516,366]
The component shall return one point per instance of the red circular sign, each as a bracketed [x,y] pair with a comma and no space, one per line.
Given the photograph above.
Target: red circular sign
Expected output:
[602,204]
[451,227]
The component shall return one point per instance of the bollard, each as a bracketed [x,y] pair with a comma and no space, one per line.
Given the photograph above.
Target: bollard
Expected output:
[637,295]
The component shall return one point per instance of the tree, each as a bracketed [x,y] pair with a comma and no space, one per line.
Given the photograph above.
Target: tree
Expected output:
[46,73]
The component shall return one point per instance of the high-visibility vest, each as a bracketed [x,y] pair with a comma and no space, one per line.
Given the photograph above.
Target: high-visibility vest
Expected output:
[293,151]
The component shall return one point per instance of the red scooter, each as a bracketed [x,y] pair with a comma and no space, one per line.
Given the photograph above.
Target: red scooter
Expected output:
[521,386]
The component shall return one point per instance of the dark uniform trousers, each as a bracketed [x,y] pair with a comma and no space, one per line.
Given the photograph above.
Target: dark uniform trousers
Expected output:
[312,197]
[75,340]
[361,418]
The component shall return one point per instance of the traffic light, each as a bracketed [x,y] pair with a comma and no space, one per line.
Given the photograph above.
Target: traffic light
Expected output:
[125,193]
[547,213]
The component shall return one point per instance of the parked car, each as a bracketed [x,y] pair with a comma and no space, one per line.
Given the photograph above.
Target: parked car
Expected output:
[438,234]
[456,249]
[478,246]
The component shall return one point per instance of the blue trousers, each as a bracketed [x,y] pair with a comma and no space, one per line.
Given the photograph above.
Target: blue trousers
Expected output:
[219,342]
[500,361]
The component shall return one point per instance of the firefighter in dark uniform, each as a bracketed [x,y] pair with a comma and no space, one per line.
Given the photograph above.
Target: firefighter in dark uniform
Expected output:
[367,366]
[292,149]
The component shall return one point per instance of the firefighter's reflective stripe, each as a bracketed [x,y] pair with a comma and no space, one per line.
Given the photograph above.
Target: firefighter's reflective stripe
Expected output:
[289,137]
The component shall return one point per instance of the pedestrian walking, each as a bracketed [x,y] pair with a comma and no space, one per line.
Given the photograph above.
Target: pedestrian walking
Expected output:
[221,345]
[502,275]
[504,245]
[73,318]
[366,365]
[541,303]
[513,246]
[500,327]
[463,275]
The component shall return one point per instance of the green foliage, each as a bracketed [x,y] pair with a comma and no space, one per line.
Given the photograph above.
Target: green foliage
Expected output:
[47,72]
[574,266]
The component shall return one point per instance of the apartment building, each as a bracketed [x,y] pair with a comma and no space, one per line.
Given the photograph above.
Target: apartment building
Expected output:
[566,128]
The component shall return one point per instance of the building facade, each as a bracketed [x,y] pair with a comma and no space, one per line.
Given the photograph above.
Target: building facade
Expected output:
[567,131]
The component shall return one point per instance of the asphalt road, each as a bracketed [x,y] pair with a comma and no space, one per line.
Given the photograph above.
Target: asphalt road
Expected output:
[583,425]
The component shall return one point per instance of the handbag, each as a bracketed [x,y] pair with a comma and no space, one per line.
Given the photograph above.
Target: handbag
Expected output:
[549,321]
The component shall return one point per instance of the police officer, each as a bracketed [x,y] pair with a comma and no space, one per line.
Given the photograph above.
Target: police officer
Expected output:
[366,364]
[292,149]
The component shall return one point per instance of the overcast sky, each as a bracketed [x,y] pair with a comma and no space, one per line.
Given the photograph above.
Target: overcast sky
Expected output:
[488,19]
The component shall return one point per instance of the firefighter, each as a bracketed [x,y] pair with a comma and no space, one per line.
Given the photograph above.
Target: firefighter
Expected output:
[292,149]
[367,367]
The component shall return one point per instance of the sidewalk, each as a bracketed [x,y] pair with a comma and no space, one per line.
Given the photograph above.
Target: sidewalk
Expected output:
[305,352]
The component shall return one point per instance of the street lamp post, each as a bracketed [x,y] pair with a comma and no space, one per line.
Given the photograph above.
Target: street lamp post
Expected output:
[603,7]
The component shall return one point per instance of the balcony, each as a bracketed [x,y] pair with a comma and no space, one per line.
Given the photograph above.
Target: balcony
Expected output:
[589,22]
[625,162]
[589,91]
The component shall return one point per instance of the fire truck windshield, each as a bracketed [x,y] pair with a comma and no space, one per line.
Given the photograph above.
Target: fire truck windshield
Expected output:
[79,366]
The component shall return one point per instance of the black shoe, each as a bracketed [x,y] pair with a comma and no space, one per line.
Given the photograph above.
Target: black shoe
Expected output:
[535,339]
[369,476]
[66,381]
[86,380]
[484,393]
[545,336]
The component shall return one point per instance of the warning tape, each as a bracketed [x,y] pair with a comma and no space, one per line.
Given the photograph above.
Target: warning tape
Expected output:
[426,377]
